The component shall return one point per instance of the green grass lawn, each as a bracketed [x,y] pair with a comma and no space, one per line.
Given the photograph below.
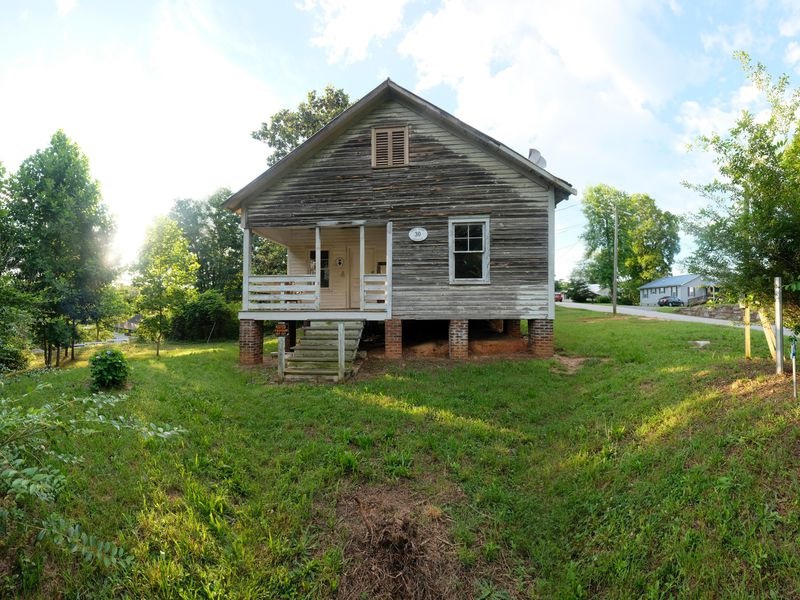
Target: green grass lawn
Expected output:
[638,467]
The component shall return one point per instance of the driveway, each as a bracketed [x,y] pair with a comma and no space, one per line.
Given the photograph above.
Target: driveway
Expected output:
[644,311]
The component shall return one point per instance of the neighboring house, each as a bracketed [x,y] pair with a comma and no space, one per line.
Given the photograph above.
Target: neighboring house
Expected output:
[599,290]
[129,326]
[397,211]
[692,289]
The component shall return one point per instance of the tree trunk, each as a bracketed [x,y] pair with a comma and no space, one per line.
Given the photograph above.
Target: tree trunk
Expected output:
[97,332]
[58,356]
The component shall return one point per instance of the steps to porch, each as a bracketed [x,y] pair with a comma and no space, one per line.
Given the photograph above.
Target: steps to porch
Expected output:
[316,355]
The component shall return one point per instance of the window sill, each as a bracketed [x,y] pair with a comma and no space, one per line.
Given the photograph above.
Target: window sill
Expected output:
[469,282]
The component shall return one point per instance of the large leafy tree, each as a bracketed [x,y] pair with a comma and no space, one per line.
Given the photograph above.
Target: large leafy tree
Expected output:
[60,232]
[167,271]
[215,238]
[288,128]
[749,232]
[648,238]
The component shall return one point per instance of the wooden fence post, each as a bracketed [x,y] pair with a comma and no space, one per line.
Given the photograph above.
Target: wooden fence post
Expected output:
[747,332]
[340,326]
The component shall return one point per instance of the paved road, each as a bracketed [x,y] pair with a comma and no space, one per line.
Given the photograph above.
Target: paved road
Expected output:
[644,311]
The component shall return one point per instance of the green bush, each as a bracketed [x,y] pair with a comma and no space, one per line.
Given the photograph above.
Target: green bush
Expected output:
[12,359]
[208,317]
[109,369]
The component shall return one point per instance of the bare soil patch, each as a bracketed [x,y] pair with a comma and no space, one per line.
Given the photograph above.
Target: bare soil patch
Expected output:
[568,365]
[397,545]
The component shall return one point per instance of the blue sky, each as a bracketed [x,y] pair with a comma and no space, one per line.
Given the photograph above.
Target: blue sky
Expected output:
[162,95]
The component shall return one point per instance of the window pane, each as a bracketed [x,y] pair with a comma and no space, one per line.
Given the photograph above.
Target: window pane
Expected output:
[324,267]
[476,230]
[468,265]
[461,245]
[461,231]
[476,244]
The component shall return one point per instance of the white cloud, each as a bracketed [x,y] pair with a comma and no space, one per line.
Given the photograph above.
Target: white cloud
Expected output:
[792,53]
[346,28]
[64,7]
[729,38]
[790,26]
[172,123]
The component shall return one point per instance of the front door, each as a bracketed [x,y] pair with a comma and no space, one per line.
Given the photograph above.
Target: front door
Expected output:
[354,273]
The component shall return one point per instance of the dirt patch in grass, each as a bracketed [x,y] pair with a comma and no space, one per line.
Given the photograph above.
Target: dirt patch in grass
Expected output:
[568,365]
[397,545]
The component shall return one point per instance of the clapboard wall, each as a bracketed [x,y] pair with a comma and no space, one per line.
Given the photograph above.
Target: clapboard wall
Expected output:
[447,176]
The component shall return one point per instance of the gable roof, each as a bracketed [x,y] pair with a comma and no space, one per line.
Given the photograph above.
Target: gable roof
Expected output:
[672,280]
[390,90]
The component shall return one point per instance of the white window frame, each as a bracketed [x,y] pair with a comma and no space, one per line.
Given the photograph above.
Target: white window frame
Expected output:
[451,223]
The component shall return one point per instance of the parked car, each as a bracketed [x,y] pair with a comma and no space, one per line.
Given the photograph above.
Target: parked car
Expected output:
[670,301]
[559,297]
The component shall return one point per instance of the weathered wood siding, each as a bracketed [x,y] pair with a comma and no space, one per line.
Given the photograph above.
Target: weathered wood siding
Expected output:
[446,177]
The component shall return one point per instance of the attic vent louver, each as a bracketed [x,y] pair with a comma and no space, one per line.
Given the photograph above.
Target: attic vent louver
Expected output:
[390,147]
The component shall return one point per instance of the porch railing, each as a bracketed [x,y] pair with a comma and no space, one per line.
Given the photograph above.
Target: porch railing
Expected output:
[286,292]
[373,292]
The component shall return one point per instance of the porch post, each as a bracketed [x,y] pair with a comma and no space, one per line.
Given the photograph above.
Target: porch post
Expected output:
[389,270]
[245,262]
[318,268]
[361,254]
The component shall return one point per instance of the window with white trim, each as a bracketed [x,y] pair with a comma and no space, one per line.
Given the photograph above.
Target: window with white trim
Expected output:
[389,146]
[469,249]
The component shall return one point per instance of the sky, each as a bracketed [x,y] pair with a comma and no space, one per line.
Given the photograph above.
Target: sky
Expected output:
[162,95]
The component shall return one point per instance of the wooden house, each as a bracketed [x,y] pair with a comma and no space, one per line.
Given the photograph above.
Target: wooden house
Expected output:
[398,211]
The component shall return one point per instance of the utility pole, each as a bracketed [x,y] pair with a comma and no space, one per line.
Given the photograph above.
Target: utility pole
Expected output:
[614,281]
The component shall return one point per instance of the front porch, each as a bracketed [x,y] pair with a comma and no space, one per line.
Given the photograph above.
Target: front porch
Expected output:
[335,271]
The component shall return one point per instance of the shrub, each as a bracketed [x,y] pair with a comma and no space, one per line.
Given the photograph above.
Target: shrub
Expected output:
[109,369]
[207,317]
[12,359]
[603,300]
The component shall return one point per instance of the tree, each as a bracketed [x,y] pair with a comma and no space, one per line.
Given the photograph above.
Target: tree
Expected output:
[578,290]
[648,238]
[287,128]
[167,271]
[60,233]
[215,238]
[750,230]
[112,307]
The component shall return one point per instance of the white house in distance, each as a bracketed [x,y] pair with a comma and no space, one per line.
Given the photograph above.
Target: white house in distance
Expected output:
[690,288]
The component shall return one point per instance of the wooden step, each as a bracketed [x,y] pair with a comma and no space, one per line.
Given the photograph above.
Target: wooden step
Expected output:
[316,355]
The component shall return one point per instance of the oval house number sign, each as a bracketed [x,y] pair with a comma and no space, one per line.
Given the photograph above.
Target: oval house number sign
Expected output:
[418,234]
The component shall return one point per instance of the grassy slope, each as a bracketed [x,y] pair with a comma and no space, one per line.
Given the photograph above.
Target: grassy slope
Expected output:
[654,470]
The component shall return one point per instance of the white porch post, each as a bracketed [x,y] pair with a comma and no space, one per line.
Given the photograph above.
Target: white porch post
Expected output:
[245,262]
[318,268]
[389,270]
[361,253]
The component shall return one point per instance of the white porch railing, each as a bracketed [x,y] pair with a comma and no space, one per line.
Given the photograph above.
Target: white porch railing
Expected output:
[373,292]
[284,292]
